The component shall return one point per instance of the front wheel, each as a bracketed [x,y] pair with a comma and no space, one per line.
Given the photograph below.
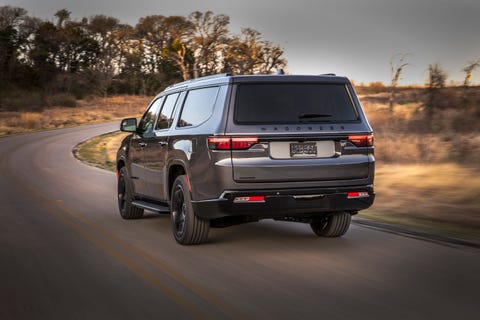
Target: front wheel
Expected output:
[187,227]
[332,226]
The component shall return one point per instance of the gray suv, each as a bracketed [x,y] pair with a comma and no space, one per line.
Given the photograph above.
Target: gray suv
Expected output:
[223,150]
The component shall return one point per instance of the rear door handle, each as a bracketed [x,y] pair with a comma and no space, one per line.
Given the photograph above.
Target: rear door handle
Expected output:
[163,143]
[142,144]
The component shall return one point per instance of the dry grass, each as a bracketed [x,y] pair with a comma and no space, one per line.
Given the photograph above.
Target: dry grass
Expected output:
[401,137]
[93,110]
[101,151]
[441,197]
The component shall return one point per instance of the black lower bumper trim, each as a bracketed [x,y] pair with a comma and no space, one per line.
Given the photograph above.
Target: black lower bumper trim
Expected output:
[283,203]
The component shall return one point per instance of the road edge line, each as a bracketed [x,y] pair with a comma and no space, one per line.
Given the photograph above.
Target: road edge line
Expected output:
[416,234]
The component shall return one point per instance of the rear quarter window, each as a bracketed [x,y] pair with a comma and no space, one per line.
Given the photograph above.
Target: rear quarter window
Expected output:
[293,103]
[198,107]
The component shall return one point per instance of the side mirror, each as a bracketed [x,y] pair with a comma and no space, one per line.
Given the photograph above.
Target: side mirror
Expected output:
[128,125]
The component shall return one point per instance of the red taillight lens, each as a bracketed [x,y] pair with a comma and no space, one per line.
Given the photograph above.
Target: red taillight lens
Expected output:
[243,143]
[227,143]
[249,199]
[357,194]
[362,141]
[216,143]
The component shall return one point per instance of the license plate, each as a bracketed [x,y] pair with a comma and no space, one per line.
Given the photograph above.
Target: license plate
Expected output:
[308,149]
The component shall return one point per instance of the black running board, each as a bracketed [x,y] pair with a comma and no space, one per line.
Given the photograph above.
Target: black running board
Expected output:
[150,206]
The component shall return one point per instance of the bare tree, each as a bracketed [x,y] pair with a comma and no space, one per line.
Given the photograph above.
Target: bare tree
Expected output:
[178,30]
[397,64]
[436,81]
[271,58]
[469,68]
[209,36]
[250,54]
[63,16]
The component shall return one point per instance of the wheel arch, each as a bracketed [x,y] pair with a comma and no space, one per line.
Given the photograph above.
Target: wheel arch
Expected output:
[175,169]
[120,164]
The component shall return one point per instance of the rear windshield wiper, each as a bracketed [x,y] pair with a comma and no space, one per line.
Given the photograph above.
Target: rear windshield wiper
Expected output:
[314,116]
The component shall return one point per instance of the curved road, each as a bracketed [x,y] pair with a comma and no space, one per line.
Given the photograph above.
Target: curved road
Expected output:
[65,253]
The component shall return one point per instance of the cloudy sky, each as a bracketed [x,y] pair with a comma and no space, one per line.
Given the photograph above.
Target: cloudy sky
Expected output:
[356,38]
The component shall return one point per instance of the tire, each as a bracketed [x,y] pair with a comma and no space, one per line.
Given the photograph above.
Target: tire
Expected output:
[187,227]
[124,192]
[333,226]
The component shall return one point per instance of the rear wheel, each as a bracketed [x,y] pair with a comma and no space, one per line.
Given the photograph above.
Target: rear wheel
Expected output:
[124,192]
[187,227]
[332,226]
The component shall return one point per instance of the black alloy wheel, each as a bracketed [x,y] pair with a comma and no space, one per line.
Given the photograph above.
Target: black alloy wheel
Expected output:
[187,227]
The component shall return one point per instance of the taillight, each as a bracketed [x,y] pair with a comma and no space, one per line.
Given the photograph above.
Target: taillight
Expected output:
[249,199]
[227,143]
[357,194]
[219,143]
[362,141]
[243,143]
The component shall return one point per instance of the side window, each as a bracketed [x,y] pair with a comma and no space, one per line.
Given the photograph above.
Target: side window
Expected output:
[148,120]
[165,118]
[198,106]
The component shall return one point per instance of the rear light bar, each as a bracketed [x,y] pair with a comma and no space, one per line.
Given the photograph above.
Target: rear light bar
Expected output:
[249,199]
[362,141]
[231,143]
[357,194]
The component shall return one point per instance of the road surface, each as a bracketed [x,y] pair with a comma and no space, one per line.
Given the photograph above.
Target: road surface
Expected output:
[65,253]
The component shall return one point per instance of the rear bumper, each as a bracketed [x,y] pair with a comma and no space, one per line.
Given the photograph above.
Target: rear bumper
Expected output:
[285,202]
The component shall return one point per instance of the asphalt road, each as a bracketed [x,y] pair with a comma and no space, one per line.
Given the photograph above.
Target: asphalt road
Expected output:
[65,253]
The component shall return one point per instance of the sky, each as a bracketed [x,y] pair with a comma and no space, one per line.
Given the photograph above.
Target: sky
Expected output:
[354,38]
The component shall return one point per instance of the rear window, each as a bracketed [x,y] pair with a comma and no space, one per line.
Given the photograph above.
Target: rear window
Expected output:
[293,103]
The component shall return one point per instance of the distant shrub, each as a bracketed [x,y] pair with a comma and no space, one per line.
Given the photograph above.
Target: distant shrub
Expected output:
[30,120]
[371,88]
[62,100]
[20,100]
[377,87]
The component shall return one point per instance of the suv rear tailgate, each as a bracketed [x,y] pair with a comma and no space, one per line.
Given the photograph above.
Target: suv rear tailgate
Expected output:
[301,130]
[291,159]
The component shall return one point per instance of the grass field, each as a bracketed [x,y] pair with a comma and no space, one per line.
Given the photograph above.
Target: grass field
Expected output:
[101,151]
[440,198]
[92,110]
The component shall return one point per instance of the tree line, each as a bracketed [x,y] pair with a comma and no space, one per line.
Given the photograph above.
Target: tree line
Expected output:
[101,55]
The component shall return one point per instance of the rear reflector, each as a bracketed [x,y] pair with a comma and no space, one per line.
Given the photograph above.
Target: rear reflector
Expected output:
[362,141]
[357,194]
[228,143]
[249,199]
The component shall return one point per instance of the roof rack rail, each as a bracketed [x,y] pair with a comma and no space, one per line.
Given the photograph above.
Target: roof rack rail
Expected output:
[198,79]
[219,75]
[328,74]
